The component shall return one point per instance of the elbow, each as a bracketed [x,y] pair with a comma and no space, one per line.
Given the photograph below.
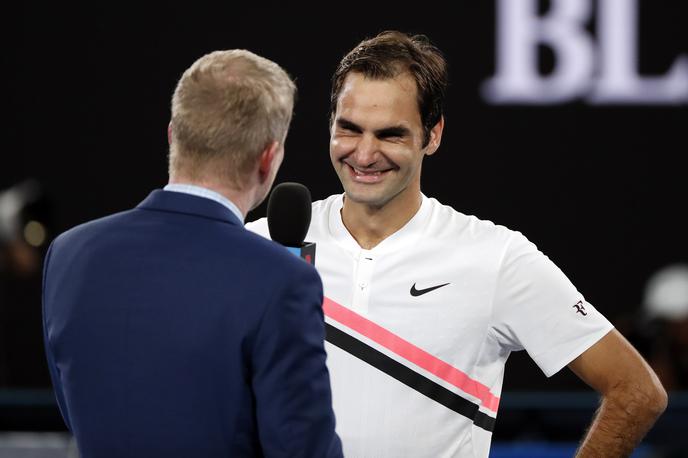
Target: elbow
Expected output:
[646,399]
[652,398]
[658,399]
[657,396]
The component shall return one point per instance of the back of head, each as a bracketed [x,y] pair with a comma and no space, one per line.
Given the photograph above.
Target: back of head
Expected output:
[390,54]
[227,107]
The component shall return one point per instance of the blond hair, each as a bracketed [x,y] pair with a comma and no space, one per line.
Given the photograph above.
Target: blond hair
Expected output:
[226,109]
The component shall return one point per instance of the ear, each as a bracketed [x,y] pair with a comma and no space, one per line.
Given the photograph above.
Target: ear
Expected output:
[169,133]
[435,137]
[266,160]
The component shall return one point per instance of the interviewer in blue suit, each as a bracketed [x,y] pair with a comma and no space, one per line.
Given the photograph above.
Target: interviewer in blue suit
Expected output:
[170,330]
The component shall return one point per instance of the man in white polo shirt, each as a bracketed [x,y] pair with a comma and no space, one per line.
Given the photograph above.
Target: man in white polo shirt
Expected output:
[424,304]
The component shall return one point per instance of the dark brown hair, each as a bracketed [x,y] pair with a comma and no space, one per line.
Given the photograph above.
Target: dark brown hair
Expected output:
[390,54]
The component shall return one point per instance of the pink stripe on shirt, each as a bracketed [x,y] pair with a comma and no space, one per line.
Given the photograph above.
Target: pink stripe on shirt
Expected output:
[410,352]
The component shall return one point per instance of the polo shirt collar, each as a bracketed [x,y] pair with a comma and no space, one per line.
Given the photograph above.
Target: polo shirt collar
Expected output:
[405,236]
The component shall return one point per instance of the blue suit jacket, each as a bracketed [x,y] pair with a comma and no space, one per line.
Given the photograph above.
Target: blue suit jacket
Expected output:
[171,331]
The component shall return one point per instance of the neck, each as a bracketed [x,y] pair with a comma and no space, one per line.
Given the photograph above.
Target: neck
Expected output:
[241,198]
[369,225]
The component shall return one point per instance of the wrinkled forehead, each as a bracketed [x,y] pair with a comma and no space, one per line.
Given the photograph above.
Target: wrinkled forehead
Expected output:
[386,100]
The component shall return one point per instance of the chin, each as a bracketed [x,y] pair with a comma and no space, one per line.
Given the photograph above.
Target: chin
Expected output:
[365,198]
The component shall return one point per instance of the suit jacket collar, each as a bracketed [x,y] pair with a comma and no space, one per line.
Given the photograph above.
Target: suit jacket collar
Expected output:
[177,202]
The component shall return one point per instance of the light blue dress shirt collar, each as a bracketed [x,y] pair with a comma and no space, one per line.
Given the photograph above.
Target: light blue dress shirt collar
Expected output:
[208,194]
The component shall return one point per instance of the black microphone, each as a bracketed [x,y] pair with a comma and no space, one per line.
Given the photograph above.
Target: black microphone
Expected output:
[289,216]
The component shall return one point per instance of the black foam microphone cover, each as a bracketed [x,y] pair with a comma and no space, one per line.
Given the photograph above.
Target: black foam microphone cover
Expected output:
[289,213]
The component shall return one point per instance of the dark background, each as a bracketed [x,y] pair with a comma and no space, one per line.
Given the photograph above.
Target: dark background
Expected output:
[600,189]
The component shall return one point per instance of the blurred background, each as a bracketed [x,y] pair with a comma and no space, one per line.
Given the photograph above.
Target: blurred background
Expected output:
[566,120]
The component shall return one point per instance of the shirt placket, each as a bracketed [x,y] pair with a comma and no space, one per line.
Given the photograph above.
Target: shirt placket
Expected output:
[362,284]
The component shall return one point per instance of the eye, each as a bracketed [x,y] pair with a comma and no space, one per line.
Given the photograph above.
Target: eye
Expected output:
[344,125]
[391,136]
[344,132]
[394,138]
[394,134]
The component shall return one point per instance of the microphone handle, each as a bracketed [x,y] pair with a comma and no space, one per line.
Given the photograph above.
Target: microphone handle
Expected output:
[306,252]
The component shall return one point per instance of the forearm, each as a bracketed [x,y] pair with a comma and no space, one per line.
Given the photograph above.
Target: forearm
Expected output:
[623,419]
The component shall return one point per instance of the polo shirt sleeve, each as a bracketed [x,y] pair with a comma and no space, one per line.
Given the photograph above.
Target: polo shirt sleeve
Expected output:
[260,227]
[537,308]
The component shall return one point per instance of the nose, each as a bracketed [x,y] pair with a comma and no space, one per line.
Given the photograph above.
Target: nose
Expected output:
[367,149]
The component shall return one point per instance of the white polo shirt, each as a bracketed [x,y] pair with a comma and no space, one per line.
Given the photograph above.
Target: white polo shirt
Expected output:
[419,328]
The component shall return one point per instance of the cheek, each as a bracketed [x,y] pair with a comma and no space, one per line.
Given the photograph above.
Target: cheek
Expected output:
[402,155]
[340,147]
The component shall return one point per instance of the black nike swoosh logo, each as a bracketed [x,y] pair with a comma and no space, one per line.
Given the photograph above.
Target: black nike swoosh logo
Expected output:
[419,292]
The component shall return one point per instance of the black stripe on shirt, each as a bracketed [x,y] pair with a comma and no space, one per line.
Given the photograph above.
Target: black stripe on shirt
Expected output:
[409,377]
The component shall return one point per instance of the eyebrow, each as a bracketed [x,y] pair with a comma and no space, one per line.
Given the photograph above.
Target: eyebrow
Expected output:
[392,131]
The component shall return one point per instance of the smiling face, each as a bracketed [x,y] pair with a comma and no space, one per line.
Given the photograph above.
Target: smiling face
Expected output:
[376,140]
